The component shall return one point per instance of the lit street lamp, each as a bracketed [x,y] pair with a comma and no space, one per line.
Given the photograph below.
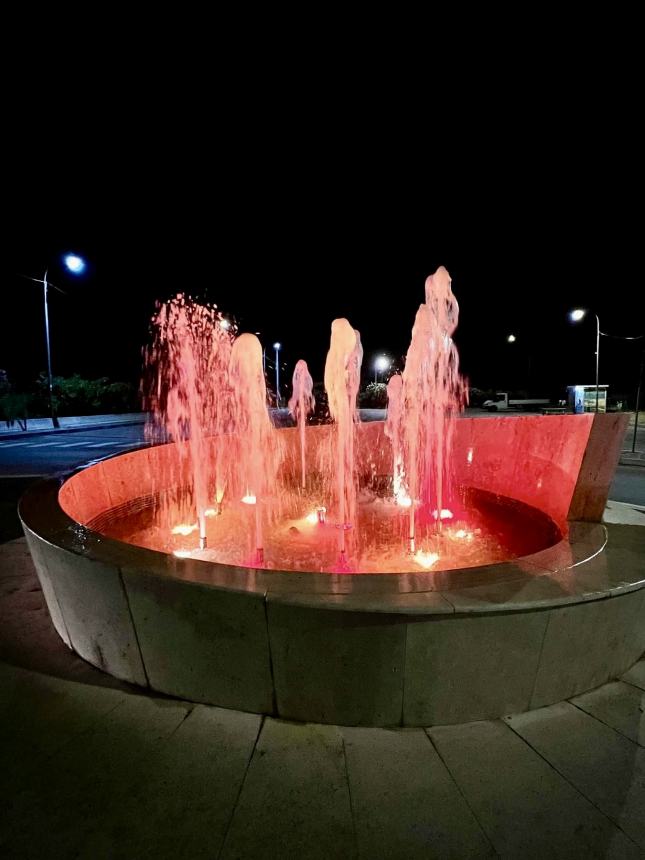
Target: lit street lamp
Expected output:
[511,338]
[76,265]
[577,315]
[381,364]
[277,347]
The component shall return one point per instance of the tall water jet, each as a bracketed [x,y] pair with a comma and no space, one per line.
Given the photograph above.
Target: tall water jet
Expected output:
[434,393]
[253,431]
[393,432]
[187,366]
[301,404]
[342,381]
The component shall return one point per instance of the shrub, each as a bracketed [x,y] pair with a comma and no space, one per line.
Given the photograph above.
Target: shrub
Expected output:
[374,396]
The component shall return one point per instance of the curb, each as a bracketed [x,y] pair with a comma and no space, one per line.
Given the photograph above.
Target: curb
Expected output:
[26,434]
[628,461]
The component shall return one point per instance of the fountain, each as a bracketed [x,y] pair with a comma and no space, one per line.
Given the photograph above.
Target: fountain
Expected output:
[350,509]
[319,572]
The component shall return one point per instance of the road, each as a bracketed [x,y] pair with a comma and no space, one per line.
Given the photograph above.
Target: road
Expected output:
[24,460]
[56,452]
[629,485]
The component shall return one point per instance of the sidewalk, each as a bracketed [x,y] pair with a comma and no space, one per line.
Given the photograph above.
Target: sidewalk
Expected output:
[93,767]
[39,426]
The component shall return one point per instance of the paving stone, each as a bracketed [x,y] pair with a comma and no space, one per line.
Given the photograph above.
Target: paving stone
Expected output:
[636,675]
[404,801]
[75,788]
[619,705]
[525,807]
[179,800]
[603,765]
[295,799]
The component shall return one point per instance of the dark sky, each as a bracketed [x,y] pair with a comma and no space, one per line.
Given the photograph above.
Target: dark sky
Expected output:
[287,239]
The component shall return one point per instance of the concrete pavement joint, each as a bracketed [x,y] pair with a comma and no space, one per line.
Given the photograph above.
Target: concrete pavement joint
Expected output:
[349,793]
[242,782]
[461,793]
[598,719]
[134,627]
[568,781]
[539,659]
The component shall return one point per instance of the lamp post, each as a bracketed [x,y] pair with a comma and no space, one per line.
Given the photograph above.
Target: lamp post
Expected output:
[638,398]
[277,347]
[381,364]
[577,315]
[76,265]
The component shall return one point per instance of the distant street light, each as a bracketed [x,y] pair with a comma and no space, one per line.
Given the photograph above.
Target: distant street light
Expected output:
[381,364]
[277,347]
[76,265]
[512,338]
[577,315]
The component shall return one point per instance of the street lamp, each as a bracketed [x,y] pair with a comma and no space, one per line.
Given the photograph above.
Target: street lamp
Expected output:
[277,347]
[577,315]
[381,364]
[511,338]
[76,265]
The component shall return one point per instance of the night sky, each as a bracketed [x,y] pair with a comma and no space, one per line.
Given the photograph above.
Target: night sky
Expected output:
[286,242]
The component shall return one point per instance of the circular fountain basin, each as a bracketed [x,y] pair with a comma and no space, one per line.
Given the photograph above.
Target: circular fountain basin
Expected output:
[483,529]
[413,648]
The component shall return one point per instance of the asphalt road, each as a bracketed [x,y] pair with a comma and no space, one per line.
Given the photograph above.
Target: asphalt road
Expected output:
[55,452]
[24,460]
[629,485]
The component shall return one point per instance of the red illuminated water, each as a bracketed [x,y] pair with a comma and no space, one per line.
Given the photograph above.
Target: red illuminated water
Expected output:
[187,391]
[342,382]
[301,405]
[244,493]
[433,395]
[484,529]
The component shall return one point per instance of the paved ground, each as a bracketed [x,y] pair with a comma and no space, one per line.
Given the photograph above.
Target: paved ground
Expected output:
[92,768]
